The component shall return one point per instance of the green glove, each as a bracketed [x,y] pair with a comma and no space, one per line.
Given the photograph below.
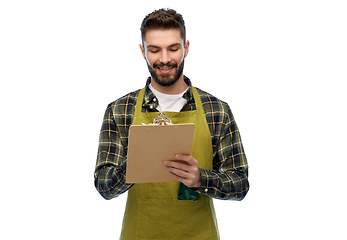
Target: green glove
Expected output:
[185,193]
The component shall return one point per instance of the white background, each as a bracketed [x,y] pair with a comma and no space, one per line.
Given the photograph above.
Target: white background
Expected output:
[281,66]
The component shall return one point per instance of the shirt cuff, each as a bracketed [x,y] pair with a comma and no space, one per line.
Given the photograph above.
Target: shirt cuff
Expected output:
[203,189]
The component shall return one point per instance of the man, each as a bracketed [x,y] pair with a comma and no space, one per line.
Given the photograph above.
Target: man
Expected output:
[217,167]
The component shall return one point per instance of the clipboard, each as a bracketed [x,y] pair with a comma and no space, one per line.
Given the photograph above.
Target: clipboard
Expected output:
[150,145]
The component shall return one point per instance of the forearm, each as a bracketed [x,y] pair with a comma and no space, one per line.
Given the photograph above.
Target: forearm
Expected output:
[229,185]
[110,181]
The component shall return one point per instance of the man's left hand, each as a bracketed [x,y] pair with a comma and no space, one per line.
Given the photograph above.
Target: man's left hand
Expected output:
[188,172]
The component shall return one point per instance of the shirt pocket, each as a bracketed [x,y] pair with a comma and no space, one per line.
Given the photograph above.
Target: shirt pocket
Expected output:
[175,219]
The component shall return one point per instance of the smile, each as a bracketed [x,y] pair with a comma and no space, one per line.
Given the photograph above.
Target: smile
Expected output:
[165,69]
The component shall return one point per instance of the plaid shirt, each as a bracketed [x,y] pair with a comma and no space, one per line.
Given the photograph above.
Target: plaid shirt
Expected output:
[227,180]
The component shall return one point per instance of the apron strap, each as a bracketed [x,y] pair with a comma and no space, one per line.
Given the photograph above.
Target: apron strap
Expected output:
[138,107]
[197,100]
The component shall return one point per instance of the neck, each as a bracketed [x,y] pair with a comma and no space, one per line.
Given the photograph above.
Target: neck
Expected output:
[179,87]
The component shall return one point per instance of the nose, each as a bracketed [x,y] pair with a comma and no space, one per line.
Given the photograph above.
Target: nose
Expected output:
[165,57]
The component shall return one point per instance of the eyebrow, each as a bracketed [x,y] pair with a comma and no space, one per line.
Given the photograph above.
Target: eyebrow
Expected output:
[172,45]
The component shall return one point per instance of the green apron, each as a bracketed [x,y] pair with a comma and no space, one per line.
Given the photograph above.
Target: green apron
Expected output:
[153,210]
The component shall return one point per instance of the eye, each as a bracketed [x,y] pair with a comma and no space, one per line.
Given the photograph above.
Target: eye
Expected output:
[174,50]
[154,51]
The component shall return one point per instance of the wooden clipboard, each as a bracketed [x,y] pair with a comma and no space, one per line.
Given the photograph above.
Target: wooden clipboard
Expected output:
[150,145]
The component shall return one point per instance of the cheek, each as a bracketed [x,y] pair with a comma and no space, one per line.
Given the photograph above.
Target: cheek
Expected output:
[181,57]
[150,60]
[178,57]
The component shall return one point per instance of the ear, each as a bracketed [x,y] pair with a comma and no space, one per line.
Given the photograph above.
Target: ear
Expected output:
[143,51]
[186,48]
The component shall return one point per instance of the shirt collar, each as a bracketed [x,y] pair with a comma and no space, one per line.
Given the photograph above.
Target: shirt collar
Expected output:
[150,101]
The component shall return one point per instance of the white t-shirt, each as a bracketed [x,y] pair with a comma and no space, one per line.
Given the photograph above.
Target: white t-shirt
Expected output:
[168,102]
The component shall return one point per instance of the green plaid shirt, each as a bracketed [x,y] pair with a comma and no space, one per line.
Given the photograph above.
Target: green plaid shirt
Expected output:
[227,180]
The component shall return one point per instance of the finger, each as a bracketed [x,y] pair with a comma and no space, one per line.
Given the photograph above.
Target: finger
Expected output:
[188,159]
[180,173]
[189,182]
[178,178]
[190,179]
[183,157]
[177,165]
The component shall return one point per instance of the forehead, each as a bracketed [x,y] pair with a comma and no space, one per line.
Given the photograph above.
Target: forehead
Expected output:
[163,37]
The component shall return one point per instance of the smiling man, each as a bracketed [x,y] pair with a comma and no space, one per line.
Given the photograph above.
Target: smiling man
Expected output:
[217,167]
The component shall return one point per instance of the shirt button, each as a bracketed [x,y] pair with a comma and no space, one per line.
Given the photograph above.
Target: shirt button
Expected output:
[154,99]
[206,190]
[151,107]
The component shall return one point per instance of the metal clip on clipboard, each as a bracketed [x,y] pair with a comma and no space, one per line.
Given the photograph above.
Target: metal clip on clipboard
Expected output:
[162,119]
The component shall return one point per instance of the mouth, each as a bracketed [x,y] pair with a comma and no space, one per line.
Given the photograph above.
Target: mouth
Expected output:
[165,69]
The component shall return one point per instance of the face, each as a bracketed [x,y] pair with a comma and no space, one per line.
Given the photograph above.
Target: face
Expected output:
[164,52]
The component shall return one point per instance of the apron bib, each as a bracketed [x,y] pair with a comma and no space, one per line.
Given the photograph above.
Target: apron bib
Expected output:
[153,210]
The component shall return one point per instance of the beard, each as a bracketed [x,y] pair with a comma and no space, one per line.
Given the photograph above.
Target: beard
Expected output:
[166,79]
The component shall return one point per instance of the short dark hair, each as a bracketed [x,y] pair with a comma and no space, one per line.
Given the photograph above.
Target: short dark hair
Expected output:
[163,19]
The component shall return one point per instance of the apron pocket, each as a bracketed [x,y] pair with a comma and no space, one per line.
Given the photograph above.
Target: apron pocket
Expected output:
[175,219]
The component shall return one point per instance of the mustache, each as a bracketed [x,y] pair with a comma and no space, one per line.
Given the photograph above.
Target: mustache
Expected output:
[170,64]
